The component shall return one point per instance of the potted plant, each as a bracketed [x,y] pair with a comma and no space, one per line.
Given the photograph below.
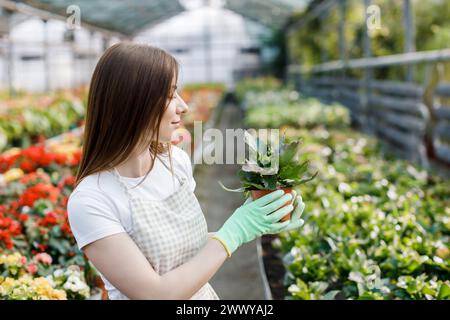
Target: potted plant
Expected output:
[274,166]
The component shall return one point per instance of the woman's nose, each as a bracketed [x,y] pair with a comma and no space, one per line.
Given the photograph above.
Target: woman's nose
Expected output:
[182,107]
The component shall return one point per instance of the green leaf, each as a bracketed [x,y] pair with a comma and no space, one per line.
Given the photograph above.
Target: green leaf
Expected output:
[331,295]
[270,182]
[293,170]
[444,292]
[287,152]
[250,185]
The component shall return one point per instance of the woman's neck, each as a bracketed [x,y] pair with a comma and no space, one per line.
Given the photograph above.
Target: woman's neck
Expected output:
[136,166]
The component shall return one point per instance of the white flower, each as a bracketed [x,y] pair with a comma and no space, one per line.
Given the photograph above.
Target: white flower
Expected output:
[25,209]
[58,273]
[392,194]
[343,187]
[50,280]
[293,288]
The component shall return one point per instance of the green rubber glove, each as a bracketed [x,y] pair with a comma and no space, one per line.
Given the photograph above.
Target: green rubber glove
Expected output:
[253,219]
[296,222]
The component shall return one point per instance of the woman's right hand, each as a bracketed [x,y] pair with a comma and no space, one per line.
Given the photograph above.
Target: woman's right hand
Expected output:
[254,219]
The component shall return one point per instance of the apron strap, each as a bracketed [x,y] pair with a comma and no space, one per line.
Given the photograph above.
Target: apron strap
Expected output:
[180,180]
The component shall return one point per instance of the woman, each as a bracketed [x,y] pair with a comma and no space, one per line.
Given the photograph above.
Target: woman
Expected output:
[133,211]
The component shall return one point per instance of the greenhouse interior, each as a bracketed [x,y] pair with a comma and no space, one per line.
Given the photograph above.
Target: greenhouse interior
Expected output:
[342,104]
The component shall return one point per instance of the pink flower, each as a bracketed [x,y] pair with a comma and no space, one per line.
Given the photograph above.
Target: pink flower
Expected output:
[44,258]
[23,260]
[32,268]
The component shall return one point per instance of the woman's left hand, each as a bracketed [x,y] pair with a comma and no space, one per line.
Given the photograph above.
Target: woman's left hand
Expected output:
[299,206]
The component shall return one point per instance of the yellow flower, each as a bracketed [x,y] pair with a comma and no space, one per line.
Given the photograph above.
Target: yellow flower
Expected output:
[13,174]
[8,283]
[27,288]
[13,259]
[59,295]
[12,152]
[44,290]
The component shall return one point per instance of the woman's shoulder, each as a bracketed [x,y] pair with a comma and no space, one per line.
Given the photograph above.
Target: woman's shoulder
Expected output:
[180,153]
[93,183]
[92,209]
[94,189]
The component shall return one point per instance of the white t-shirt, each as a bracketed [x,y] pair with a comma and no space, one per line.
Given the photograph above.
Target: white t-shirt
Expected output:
[99,207]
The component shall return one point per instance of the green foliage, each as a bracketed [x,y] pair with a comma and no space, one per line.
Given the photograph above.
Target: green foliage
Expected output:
[376,227]
[317,41]
[273,109]
[256,85]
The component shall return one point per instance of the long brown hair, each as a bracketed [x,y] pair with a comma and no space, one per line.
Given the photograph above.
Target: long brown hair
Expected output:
[129,92]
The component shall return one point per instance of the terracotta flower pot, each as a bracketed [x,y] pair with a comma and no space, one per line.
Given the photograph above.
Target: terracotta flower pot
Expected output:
[256,194]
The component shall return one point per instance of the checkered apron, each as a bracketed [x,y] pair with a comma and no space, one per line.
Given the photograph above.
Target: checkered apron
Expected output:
[169,232]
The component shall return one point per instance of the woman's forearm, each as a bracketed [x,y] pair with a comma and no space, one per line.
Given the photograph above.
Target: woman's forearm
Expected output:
[183,282]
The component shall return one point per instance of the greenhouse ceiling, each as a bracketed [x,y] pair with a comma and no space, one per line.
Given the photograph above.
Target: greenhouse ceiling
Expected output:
[272,13]
[125,17]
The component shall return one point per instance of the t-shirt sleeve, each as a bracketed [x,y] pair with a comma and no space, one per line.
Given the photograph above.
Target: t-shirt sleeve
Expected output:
[187,164]
[92,217]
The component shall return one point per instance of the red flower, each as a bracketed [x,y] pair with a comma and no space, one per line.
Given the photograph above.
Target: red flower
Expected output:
[60,158]
[42,247]
[39,191]
[66,229]
[34,153]
[43,257]
[7,161]
[23,217]
[50,219]
[32,268]
[27,166]
[68,180]
[9,228]
[76,158]
[46,159]
[35,177]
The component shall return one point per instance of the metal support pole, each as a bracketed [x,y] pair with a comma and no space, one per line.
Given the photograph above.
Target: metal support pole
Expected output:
[106,41]
[342,24]
[9,53]
[74,80]
[410,35]
[368,73]
[91,53]
[207,39]
[46,56]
